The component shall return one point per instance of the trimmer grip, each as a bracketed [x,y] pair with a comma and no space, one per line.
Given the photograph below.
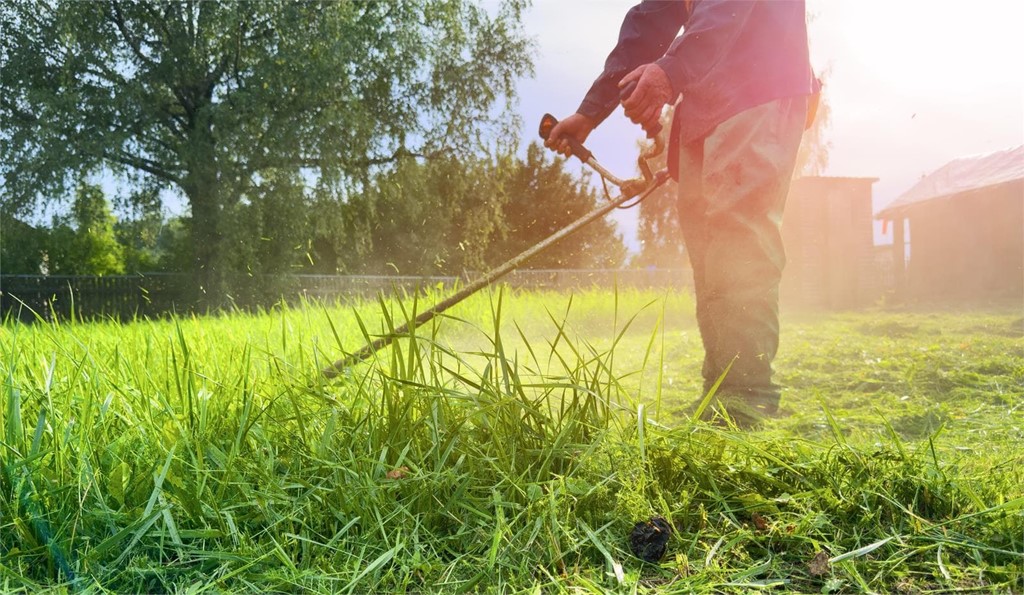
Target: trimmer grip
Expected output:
[624,95]
[548,122]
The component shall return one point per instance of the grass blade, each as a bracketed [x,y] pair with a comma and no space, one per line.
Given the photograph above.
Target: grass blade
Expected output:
[861,550]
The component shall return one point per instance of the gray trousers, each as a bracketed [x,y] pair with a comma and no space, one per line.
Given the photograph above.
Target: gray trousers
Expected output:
[732,191]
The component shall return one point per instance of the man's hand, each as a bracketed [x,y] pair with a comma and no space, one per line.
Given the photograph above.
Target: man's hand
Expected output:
[653,90]
[576,126]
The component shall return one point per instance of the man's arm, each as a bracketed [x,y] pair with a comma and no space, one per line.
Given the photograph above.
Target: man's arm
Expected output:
[711,31]
[646,32]
[645,35]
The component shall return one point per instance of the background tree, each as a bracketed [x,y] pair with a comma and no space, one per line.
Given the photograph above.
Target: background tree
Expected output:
[447,216]
[542,199]
[219,100]
[426,218]
[22,247]
[85,243]
[139,232]
[174,246]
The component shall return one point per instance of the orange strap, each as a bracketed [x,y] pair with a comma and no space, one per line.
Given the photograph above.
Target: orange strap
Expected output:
[812,109]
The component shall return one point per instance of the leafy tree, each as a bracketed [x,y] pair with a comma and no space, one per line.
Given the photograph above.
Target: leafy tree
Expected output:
[218,100]
[432,217]
[448,216]
[267,235]
[278,213]
[138,234]
[173,246]
[542,199]
[90,247]
[22,247]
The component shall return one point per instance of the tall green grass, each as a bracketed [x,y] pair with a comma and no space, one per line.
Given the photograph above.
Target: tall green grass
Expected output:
[510,446]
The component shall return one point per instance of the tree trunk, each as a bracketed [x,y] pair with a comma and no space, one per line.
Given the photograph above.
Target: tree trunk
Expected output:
[209,288]
[204,192]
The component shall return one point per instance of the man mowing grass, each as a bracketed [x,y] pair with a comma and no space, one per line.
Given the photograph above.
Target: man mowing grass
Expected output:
[742,71]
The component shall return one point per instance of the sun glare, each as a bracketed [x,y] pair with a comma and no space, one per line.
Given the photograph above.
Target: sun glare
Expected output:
[948,48]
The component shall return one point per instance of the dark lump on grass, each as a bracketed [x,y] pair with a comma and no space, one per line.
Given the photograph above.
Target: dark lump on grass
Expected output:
[648,539]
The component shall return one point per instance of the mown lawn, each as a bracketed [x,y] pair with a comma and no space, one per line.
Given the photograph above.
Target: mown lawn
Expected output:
[509,447]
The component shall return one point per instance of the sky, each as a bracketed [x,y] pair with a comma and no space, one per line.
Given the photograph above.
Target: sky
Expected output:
[913,84]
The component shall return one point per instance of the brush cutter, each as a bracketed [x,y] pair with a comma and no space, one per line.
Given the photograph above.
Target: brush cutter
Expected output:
[631,192]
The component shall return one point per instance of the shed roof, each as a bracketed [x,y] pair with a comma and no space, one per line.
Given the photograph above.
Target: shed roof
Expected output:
[961,175]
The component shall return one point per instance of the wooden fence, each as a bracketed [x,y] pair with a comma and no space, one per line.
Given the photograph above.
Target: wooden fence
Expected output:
[31,297]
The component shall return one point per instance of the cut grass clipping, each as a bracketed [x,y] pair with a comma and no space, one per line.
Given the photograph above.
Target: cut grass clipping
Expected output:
[510,446]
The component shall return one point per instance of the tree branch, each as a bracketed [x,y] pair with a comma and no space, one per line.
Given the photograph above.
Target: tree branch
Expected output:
[145,165]
[108,75]
[160,19]
[173,119]
[400,153]
[24,116]
[117,17]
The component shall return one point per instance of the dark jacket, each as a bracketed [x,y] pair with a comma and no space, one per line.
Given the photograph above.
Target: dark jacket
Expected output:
[731,56]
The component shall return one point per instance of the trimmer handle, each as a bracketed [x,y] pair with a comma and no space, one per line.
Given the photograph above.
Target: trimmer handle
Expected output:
[624,95]
[548,122]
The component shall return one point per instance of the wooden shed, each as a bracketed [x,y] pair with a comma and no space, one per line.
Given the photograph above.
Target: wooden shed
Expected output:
[827,231]
[964,226]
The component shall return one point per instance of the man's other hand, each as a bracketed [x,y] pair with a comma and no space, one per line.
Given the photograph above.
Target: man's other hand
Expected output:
[576,126]
[653,90]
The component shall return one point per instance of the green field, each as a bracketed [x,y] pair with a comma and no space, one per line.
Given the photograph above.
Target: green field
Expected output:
[508,447]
